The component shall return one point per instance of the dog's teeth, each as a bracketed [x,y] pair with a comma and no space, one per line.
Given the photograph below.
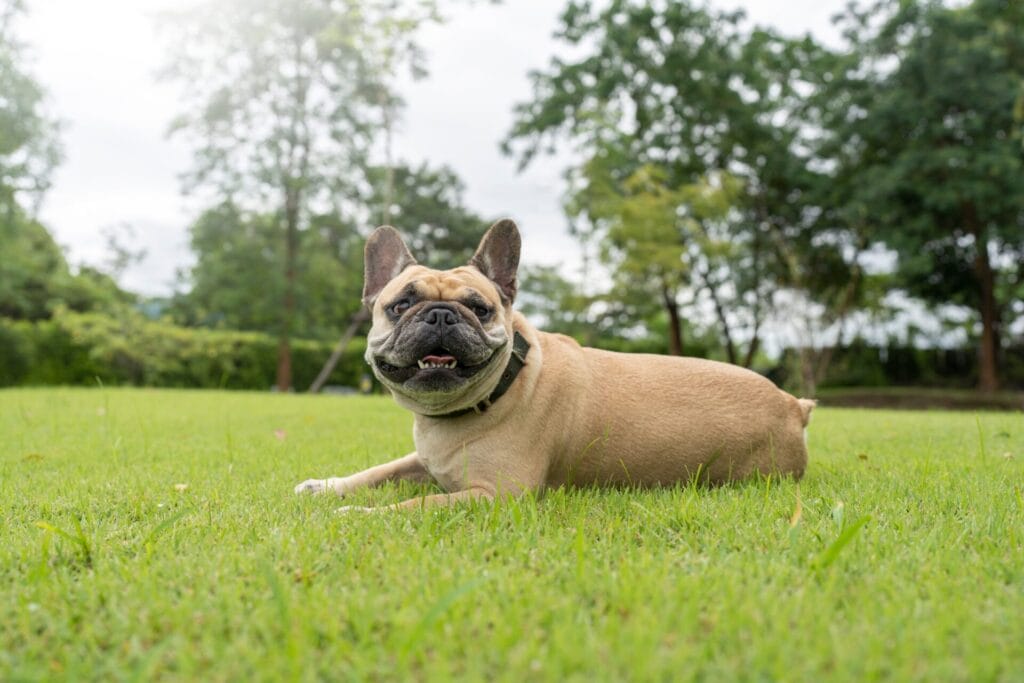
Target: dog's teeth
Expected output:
[424,364]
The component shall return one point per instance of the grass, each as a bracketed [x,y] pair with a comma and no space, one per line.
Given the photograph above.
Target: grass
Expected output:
[154,535]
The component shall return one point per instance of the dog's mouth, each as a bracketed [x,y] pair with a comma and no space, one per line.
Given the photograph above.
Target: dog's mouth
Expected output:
[438,363]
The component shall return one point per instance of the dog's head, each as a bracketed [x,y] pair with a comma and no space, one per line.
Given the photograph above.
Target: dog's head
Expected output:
[440,338]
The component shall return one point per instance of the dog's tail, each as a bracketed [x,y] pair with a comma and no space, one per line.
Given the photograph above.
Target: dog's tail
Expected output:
[806,406]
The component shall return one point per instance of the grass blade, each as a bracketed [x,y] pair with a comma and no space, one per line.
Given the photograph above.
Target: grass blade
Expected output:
[832,552]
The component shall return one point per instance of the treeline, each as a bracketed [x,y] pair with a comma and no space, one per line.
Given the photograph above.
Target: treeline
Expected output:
[731,169]
[282,104]
[736,188]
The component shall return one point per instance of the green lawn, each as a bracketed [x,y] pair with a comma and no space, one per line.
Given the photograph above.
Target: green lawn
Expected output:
[154,535]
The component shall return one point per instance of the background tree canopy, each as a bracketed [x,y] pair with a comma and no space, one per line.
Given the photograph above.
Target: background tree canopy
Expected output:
[34,276]
[907,137]
[282,101]
[230,243]
[29,148]
[734,190]
[932,139]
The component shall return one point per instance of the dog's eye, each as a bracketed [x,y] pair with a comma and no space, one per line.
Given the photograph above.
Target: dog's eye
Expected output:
[482,312]
[400,307]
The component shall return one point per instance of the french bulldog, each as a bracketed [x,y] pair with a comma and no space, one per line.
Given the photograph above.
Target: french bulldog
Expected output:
[501,408]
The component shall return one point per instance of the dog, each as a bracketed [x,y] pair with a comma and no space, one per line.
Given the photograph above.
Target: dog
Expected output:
[502,408]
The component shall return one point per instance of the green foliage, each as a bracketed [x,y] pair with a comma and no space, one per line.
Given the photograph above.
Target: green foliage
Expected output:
[278,97]
[29,149]
[427,206]
[35,279]
[927,129]
[910,135]
[238,278]
[692,129]
[33,271]
[34,276]
[642,216]
[75,348]
[154,535]
[553,302]
[43,353]
[938,135]
[281,102]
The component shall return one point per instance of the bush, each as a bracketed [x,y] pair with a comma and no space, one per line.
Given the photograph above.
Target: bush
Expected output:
[83,348]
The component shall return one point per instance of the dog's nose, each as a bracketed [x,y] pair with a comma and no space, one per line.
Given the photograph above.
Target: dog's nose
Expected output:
[441,315]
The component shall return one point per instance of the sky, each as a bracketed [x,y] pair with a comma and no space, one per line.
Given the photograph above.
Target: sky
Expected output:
[98,61]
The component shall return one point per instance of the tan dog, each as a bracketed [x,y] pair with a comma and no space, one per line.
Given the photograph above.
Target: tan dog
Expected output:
[502,408]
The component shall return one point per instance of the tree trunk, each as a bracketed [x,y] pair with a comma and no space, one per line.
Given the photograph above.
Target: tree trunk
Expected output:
[988,356]
[755,344]
[284,350]
[988,353]
[294,176]
[846,302]
[808,381]
[723,320]
[675,325]
[755,338]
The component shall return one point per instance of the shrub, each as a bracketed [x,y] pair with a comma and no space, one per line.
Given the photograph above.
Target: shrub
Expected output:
[82,348]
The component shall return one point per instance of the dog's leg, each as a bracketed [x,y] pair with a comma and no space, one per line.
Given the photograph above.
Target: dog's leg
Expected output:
[409,467]
[437,500]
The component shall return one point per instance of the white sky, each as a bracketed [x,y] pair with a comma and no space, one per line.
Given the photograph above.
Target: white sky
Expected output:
[98,60]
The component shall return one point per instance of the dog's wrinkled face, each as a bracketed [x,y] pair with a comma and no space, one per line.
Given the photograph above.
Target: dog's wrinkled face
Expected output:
[440,339]
[434,330]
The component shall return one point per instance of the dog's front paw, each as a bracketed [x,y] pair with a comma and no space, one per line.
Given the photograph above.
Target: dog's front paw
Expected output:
[314,486]
[311,486]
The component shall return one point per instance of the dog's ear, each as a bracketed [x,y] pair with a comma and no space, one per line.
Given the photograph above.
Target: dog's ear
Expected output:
[497,257]
[384,258]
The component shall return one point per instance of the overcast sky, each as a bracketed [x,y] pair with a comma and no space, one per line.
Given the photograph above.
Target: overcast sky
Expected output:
[98,60]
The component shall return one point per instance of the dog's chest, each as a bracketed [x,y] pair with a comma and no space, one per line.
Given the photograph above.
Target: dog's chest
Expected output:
[450,469]
[451,461]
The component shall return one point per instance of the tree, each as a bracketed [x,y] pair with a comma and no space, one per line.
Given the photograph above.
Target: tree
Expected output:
[696,95]
[34,275]
[620,320]
[238,276]
[33,271]
[552,301]
[935,149]
[35,279]
[427,206]
[29,146]
[280,104]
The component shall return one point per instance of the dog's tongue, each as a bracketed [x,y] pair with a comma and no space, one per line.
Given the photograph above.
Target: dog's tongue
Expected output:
[438,359]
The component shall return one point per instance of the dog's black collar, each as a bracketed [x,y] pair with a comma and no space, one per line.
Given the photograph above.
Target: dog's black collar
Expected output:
[520,347]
